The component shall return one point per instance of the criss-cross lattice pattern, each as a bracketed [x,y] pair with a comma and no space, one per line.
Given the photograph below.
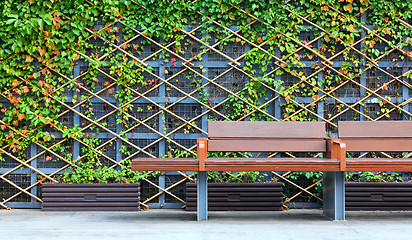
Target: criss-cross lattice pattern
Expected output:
[184,82]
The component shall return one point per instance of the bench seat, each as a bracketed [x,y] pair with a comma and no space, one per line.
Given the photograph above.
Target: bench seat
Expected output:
[272,164]
[379,164]
[165,164]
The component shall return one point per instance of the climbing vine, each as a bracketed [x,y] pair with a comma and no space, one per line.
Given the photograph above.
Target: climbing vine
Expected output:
[297,54]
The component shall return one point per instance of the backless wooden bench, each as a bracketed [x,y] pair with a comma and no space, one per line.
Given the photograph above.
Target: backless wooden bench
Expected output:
[263,137]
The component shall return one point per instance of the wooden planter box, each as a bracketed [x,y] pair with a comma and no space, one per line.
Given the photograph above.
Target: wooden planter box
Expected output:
[390,196]
[238,196]
[91,197]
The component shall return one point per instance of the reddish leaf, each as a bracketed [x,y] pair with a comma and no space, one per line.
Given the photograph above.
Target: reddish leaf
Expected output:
[287,98]
[41,83]
[349,7]
[324,8]
[14,100]
[95,79]
[48,158]
[29,58]
[260,40]
[3,126]
[351,28]
[43,71]
[15,122]
[26,89]
[14,84]
[21,116]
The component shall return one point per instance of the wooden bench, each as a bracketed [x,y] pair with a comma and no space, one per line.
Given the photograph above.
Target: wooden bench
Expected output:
[382,136]
[263,137]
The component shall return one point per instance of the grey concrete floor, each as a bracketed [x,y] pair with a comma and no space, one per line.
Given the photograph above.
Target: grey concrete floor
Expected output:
[178,224]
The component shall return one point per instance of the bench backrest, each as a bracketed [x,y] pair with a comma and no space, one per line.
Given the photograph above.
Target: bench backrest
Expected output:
[246,136]
[379,136]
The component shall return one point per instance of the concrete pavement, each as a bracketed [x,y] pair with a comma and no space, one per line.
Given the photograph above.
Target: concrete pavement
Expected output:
[178,224]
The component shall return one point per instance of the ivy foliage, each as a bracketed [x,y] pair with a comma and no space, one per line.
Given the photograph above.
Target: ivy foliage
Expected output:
[42,42]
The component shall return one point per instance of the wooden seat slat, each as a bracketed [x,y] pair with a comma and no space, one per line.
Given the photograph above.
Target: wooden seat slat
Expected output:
[377,129]
[165,164]
[266,145]
[271,164]
[285,130]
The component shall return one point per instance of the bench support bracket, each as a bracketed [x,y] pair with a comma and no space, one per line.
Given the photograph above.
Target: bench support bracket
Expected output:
[334,195]
[201,196]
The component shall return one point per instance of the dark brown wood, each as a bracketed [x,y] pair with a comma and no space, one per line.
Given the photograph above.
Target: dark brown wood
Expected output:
[378,196]
[378,144]
[91,197]
[247,129]
[238,196]
[267,145]
[377,129]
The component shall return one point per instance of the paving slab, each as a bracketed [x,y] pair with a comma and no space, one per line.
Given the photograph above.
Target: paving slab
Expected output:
[179,224]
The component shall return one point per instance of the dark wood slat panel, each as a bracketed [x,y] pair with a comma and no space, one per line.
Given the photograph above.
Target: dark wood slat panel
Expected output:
[193,193]
[366,208]
[251,199]
[387,194]
[87,185]
[378,145]
[385,199]
[352,185]
[47,199]
[91,209]
[103,195]
[394,129]
[228,129]
[373,204]
[89,204]
[244,189]
[266,145]
[242,204]
[86,189]
[381,189]
[256,186]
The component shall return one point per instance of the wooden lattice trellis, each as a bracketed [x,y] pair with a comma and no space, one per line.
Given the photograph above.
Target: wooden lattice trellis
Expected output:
[171,103]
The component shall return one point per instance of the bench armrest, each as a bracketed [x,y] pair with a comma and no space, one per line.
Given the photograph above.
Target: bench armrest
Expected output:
[202,152]
[337,150]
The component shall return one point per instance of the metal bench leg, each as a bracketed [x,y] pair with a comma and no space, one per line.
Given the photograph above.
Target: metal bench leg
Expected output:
[334,195]
[201,196]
